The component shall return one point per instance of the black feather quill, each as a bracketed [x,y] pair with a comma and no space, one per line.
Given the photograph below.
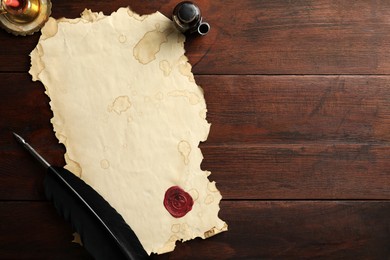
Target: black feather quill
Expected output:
[103,231]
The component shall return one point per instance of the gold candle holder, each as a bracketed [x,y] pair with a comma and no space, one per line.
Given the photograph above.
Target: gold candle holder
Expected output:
[26,18]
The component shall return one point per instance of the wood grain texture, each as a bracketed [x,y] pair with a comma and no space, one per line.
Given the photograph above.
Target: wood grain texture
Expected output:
[291,109]
[296,137]
[297,230]
[250,109]
[299,171]
[298,94]
[33,230]
[315,171]
[260,37]
[258,230]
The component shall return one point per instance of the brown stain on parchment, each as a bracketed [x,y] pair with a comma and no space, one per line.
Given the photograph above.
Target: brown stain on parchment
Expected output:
[209,233]
[184,149]
[194,194]
[193,98]
[165,67]
[146,49]
[122,38]
[159,96]
[185,68]
[209,199]
[136,16]
[175,228]
[104,164]
[120,105]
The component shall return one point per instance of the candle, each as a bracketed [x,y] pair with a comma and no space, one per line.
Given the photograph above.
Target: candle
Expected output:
[12,3]
[24,17]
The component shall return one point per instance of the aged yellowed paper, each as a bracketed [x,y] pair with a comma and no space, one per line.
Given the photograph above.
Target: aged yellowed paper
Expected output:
[128,110]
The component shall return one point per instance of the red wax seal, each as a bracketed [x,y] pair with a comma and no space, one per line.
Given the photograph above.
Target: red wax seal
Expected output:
[177,201]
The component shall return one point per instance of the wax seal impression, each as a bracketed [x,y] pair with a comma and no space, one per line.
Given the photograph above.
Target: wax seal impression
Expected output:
[188,19]
[178,202]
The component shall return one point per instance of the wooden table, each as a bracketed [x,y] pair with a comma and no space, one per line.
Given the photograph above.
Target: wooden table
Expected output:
[298,93]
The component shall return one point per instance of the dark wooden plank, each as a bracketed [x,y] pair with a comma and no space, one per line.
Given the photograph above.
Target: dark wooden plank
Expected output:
[257,230]
[289,109]
[33,230]
[259,37]
[278,137]
[21,176]
[243,109]
[272,137]
[24,108]
[297,230]
[300,171]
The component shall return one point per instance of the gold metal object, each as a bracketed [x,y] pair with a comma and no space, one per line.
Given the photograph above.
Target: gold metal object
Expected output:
[27,19]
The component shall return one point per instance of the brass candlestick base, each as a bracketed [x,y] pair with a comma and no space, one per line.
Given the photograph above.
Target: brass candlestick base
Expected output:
[26,20]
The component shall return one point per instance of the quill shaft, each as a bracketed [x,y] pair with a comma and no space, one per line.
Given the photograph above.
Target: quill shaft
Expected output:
[32,151]
[104,232]
[53,170]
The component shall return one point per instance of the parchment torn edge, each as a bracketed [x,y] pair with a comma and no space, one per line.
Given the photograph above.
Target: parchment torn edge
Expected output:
[37,66]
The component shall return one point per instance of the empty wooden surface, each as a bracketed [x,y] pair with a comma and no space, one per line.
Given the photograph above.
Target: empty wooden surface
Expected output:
[298,94]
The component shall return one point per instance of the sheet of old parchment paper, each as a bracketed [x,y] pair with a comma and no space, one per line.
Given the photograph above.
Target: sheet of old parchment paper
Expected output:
[131,116]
